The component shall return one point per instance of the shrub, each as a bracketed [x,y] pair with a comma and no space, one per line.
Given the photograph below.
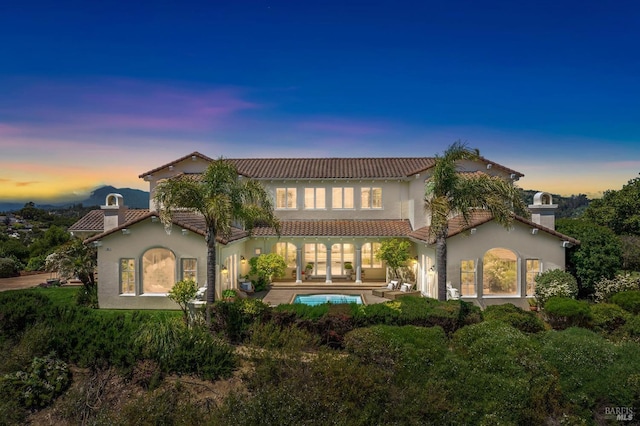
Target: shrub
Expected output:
[631,329]
[40,385]
[555,283]
[525,321]
[608,317]
[272,336]
[563,312]
[20,310]
[182,293]
[198,352]
[606,288]
[628,300]
[8,268]
[234,319]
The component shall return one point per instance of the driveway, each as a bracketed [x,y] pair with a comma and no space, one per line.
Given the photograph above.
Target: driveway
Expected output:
[24,281]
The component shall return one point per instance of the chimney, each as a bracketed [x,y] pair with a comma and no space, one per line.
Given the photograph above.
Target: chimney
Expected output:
[114,211]
[543,210]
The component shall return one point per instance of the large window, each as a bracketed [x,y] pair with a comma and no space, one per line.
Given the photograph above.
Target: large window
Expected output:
[468,278]
[286,198]
[533,270]
[341,254]
[371,198]
[127,276]
[189,269]
[158,271]
[499,273]
[288,252]
[368,253]
[342,198]
[316,255]
[314,198]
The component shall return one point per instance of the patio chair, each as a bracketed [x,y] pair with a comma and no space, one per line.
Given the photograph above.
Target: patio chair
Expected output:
[380,292]
[406,289]
[452,293]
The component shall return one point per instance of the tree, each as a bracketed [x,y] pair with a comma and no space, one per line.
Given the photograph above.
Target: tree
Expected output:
[598,256]
[618,210]
[267,266]
[182,293]
[449,193]
[395,253]
[77,260]
[223,198]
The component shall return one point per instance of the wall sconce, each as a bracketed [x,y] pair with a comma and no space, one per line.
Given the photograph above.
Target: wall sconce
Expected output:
[125,231]
[243,260]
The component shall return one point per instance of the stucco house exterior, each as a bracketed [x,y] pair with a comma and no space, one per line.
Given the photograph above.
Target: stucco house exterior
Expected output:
[333,212]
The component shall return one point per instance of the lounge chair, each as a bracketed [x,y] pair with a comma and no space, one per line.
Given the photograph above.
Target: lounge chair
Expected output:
[406,289]
[380,292]
[452,292]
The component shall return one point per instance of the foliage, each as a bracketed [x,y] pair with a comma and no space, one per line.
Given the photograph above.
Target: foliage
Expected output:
[224,200]
[182,293]
[555,283]
[449,193]
[608,318]
[598,255]
[618,210]
[395,253]
[568,207]
[286,338]
[630,252]
[564,312]
[53,238]
[606,288]
[525,321]
[268,266]
[628,300]
[8,268]
[75,259]
[233,320]
[20,310]
[45,380]
[14,249]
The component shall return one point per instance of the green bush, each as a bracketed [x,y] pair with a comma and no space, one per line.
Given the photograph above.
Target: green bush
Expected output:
[562,312]
[275,337]
[8,268]
[182,293]
[198,352]
[36,388]
[234,319]
[585,362]
[628,300]
[555,283]
[407,347]
[631,329]
[525,321]
[20,310]
[608,317]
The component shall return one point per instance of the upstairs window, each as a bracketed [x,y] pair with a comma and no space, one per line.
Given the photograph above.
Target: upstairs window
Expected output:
[314,198]
[286,198]
[342,198]
[371,198]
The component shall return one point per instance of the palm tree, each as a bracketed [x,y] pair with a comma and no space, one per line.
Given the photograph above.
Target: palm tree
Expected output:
[449,193]
[224,199]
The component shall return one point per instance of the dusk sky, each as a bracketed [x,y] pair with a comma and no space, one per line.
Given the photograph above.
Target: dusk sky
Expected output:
[95,93]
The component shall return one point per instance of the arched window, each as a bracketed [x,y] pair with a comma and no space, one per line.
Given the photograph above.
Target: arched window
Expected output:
[499,273]
[158,271]
[288,252]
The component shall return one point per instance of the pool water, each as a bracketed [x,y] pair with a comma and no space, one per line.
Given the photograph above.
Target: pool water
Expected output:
[319,299]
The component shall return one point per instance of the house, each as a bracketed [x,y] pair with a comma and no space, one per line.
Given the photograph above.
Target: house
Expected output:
[333,212]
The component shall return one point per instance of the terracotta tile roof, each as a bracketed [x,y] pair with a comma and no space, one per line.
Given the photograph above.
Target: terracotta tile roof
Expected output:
[338,228]
[329,168]
[185,220]
[457,226]
[94,220]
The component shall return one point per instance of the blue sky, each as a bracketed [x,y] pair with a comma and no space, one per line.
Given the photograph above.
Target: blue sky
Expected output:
[96,93]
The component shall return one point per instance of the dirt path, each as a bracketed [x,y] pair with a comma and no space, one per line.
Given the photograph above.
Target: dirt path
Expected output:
[24,281]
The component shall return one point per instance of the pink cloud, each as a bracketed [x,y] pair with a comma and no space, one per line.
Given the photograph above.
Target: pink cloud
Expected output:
[27,183]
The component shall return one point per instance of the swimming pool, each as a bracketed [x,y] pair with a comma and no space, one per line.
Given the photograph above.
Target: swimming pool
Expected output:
[319,299]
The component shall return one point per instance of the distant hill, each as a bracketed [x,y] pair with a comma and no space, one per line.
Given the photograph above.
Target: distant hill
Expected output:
[133,198]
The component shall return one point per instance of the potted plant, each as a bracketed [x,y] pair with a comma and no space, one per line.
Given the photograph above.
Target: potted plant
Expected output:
[308,269]
[229,295]
[533,304]
[348,269]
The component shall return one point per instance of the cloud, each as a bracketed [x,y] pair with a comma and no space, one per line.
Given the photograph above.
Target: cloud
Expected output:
[26,183]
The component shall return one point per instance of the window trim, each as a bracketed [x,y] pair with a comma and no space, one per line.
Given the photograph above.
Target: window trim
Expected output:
[343,197]
[183,270]
[122,270]
[287,196]
[371,190]
[474,273]
[315,190]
